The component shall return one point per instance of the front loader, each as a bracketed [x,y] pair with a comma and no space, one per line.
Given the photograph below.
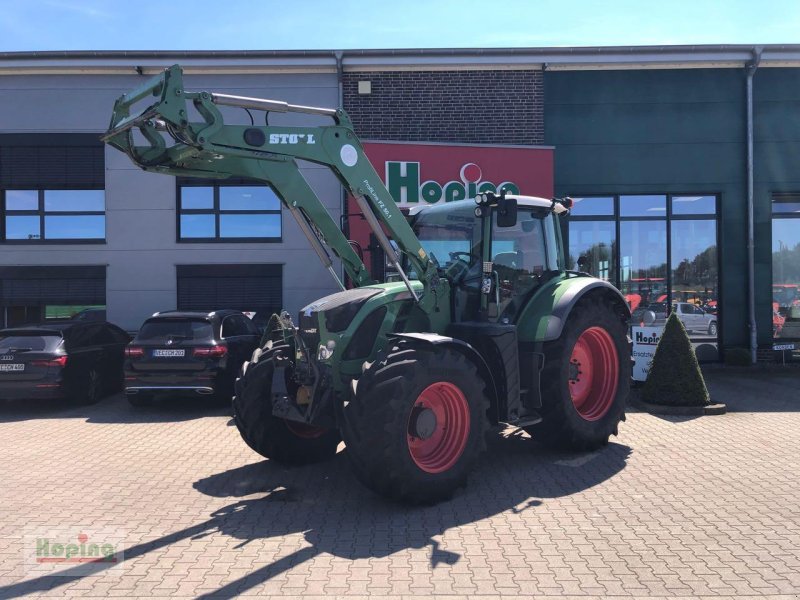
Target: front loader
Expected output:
[482,324]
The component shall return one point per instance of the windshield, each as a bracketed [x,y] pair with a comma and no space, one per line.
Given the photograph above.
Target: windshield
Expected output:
[29,342]
[449,235]
[519,256]
[176,330]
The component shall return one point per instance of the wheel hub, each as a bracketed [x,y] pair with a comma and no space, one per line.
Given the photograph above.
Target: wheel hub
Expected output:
[422,423]
[593,373]
[438,427]
[574,371]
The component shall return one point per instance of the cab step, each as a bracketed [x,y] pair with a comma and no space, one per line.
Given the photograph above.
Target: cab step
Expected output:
[526,420]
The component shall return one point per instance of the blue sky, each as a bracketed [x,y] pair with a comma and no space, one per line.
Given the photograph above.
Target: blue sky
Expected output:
[345,24]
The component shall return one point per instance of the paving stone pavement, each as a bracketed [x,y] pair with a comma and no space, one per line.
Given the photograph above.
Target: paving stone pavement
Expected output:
[673,507]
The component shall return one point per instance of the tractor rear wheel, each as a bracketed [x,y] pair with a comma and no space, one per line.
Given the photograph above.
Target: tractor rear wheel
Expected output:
[586,379]
[416,424]
[278,439]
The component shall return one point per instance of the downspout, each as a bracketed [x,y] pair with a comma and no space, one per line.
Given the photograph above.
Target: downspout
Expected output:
[751,262]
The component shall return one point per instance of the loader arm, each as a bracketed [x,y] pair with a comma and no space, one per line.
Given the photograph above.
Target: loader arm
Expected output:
[212,149]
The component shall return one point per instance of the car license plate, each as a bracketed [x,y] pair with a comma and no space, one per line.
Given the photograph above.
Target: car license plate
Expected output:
[169,353]
[15,367]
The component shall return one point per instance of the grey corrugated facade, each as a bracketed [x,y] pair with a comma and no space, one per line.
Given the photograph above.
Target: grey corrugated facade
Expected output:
[141,251]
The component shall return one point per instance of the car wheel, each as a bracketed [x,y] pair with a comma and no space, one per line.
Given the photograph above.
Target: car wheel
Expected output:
[712,328]
[88,391]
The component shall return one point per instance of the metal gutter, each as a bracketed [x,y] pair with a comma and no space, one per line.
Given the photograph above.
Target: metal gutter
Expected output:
[751,267]
[265,61]
[566,50]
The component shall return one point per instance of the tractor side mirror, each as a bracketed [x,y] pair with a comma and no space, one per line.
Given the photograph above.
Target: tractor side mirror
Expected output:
[506,212]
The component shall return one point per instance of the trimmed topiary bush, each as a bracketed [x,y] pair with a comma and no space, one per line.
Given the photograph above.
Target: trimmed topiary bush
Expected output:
[675,378]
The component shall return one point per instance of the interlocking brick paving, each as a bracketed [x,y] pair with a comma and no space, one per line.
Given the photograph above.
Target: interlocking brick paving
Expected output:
[673,507]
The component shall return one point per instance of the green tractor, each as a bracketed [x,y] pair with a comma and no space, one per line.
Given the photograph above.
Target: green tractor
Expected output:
[481,325]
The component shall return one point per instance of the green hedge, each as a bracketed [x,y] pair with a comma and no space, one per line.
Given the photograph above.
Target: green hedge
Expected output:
[675,378]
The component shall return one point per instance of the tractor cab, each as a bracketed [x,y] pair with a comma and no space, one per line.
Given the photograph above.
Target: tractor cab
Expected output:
[494,260]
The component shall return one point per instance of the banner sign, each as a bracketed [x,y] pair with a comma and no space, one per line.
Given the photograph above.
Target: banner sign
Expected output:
[418,173]
[645,340]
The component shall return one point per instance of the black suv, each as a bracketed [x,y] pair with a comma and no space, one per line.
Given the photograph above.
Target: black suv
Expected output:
[77,361]
[184,351]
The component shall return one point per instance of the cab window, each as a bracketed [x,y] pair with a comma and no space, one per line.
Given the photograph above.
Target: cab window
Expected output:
[519,259]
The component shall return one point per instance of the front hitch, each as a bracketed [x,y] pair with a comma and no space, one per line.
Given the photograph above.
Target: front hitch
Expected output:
[167,114]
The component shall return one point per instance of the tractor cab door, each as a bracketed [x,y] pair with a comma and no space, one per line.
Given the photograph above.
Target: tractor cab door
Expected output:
[452,236]
[521,255]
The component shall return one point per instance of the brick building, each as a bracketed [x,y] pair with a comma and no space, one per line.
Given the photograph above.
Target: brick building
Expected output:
[652,142]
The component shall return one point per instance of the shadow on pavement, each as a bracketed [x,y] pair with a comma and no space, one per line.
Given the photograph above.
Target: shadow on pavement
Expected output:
[115,409]
[338,516]
[165,409]
[756,389]
[26,410]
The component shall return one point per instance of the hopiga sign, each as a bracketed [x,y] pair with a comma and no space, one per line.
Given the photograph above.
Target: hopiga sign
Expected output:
[416,173]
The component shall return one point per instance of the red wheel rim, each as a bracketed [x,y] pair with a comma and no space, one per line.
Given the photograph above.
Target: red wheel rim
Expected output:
[301,430]
[593,373]
[440,450]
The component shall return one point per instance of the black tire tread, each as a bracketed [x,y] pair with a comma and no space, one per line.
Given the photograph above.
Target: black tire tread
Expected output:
[265,433]
[378,452]
[561,427]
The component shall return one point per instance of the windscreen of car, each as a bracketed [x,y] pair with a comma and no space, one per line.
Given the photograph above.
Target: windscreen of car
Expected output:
[176,330]
[28,342]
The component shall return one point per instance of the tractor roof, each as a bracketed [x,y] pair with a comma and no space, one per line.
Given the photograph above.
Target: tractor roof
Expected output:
[531,201]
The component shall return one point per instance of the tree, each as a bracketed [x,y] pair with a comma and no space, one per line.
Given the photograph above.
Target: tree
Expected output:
[675,378]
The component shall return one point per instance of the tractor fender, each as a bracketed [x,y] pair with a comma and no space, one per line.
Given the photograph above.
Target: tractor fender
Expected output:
[543,319]
[434,339]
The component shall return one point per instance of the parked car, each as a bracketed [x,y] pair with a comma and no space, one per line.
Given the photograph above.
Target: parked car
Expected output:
[188,352]
[659,310]
[72,360]
[693,317]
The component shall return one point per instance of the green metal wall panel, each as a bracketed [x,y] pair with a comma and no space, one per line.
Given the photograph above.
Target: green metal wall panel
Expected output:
[662,131]
[776,97]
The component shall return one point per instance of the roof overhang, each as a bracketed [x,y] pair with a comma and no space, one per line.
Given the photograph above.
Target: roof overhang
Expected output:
[325,61]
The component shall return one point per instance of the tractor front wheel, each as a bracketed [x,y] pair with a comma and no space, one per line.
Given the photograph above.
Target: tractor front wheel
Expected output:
[278,439]
[416,424]
[586,379]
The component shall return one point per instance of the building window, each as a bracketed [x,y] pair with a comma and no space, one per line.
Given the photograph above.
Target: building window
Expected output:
[786,266]
[593,237]
[231,213]
[51,188]
[34,293]
[30,216]
[660,250]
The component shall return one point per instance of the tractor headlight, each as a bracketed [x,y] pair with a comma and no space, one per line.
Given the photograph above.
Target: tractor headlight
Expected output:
[325,351]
